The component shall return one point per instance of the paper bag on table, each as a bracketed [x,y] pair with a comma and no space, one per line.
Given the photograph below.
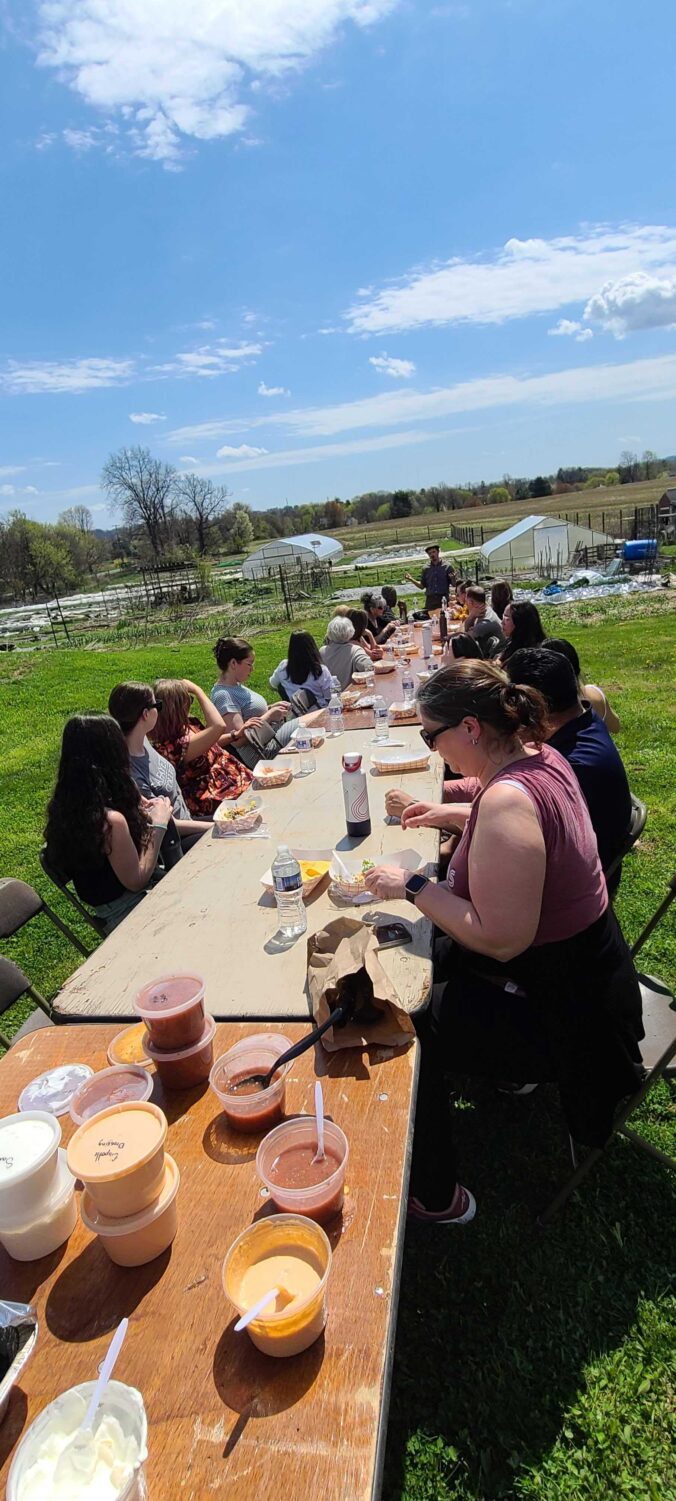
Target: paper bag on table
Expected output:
[343,959]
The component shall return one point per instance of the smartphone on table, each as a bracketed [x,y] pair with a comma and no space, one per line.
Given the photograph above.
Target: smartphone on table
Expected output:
[389,935]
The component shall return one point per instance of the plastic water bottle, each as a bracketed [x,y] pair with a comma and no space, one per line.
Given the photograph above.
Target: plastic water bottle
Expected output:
[288,883]
[382,727]
[335,724]
[306,760]
[407,682]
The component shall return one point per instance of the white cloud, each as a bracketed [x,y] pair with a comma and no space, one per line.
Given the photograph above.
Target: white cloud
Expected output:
[387,365]
[40,376]
[571,327]
[314,455]
[522,278]
[172,70]
[30,490]
[144,419]
[12,468]
[188,458]
[634,302]
[264,390]
[81,140]
[245,451]
[7,490]
[211,360]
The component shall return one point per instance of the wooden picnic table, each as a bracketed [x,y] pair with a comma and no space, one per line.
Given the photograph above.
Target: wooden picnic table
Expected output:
[211,912]
[388,685]
[223,1419]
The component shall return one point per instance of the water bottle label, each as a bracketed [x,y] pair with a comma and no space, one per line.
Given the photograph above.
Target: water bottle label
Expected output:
[288,883]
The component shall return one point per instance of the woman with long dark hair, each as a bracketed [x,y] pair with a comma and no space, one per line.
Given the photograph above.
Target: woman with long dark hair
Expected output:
[101,833]
[501,596]
[302,671]
[537,983]
[522,626]
[364,637]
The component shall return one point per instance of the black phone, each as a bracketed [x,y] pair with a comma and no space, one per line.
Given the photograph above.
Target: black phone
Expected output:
[390,934]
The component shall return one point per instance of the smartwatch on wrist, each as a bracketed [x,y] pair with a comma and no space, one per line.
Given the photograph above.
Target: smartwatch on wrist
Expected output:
[414,885]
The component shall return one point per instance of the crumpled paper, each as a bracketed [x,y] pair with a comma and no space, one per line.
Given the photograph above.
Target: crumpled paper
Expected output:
[343,960]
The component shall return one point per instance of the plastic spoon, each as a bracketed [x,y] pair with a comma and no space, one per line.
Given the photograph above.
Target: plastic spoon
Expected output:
[319,1112]
[252,1313]
[79,1457]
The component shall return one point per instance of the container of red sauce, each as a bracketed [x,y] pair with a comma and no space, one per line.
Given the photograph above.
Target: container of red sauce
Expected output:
[173,1010]
[296,1184]
[184,1068]
[251,1109]
[111,1086]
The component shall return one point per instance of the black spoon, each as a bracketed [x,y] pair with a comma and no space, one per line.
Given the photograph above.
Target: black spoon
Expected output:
[264,1080]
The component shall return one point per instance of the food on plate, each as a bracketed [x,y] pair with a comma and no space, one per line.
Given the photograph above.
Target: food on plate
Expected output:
[367,865]
[381,667]
[402,713]
[350,698]
[270,774]
[235,815]
[313,870]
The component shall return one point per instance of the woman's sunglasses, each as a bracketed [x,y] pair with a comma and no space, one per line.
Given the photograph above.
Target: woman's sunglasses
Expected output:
[158,703]
[430,736]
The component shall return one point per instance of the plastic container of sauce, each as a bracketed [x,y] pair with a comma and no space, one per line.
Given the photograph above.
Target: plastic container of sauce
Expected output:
[121,1440]
[127,1045]
[292,1254]
[173,1010]
[184,1068]
[251,1109]
[296,1183]
[138,1238]
[29,1144]
[30,1234]
[112,1086]
[119,1155]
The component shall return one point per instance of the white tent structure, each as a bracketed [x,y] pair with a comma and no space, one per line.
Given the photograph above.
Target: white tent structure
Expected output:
[290,553]
[539,542]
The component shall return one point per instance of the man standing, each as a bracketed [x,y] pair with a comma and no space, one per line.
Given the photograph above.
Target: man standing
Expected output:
[437,579]
[482,623]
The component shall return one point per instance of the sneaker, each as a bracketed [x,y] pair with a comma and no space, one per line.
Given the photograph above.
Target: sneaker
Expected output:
[460,1211]
[517,1090]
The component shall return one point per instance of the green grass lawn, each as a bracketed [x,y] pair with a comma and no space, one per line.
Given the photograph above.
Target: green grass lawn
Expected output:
[527,1364]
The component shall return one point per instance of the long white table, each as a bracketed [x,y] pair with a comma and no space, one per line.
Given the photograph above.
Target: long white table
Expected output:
[211,912]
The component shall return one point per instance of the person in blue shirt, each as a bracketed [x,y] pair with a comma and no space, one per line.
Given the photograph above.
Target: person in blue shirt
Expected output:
[576,732]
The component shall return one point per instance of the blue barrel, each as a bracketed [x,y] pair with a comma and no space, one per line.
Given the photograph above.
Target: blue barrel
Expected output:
[640,551]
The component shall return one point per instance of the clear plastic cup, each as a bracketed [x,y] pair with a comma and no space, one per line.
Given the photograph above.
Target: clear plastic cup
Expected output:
[138,1238]
[252,1113]
[185,1068]
[66,1414]
[288,1236]
[172,1008]
[298,1138]
[111,1086]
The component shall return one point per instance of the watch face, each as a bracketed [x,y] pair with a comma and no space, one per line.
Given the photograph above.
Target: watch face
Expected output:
[415,884]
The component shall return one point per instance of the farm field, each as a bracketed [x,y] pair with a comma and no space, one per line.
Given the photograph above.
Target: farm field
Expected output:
[527,1364]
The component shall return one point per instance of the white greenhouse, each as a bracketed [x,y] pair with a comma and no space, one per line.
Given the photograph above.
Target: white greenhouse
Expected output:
[291,553]
[539,542]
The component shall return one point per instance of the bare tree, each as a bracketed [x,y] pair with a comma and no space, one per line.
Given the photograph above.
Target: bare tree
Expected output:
[203,501]
[78,518]
[651,463]
[142,489]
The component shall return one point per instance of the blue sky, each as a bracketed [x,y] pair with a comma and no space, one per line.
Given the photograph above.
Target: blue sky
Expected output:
[313,247]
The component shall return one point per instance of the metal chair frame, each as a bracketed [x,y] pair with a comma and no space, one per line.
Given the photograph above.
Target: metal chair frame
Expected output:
[62,885]
[620,1127]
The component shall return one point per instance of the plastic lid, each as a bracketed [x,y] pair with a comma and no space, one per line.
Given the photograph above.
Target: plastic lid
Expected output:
[128,1041]
[103,1224]
[351,762]
[54,1090]
[117,1141]
[156,1000]
[169,1055]
[111,1086]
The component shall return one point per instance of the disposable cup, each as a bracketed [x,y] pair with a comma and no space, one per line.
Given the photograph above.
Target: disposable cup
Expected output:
[298,1137]
[172,1008]
[111,1086]
[65,1415]
[184,1068]
[252,1113]
[119,1155]
[274,1247]
[138,1238]
[29,1235]
[29,1143]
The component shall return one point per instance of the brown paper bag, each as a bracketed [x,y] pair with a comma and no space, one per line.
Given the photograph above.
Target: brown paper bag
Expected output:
[347,948]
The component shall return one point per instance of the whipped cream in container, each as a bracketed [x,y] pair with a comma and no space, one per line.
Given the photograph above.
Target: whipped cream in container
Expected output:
[114,1465]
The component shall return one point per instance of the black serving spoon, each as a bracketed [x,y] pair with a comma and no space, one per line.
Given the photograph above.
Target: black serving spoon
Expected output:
[349,1008]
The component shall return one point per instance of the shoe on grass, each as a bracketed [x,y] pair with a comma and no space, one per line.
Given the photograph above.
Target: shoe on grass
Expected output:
[460,1211]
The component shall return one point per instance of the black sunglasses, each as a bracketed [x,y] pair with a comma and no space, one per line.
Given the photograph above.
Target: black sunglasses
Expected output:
[429,736]
[158,703]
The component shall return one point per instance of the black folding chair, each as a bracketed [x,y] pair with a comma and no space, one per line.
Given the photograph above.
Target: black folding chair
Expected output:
[658,1051]
[13,985]
[20,903]
[60,880]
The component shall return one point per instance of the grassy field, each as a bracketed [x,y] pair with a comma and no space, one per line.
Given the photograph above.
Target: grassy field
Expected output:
[527,1365]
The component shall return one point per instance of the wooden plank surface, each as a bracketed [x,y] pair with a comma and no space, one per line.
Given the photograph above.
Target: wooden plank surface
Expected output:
[225,1420]
[210,911]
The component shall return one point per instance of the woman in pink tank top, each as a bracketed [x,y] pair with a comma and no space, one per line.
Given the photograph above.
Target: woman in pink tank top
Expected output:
[538,983]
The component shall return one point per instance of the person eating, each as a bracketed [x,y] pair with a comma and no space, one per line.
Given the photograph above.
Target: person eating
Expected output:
[341,653]
[533,979]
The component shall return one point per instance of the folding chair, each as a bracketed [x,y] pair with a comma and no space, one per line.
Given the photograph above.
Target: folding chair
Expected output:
[658,1051]
[637,823]
[19,904]
[14,984]
[60,880]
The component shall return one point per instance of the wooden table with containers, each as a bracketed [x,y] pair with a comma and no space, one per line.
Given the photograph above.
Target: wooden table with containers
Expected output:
[222,1417]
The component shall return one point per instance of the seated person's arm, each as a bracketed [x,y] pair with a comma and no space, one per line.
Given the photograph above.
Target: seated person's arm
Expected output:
[435,816]
[201,741]
[134,870]
[502,918]
[599,701]
[461,789]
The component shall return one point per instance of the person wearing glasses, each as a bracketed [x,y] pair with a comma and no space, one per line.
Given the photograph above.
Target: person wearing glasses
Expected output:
[101,834]
[534,981]
[135,708]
